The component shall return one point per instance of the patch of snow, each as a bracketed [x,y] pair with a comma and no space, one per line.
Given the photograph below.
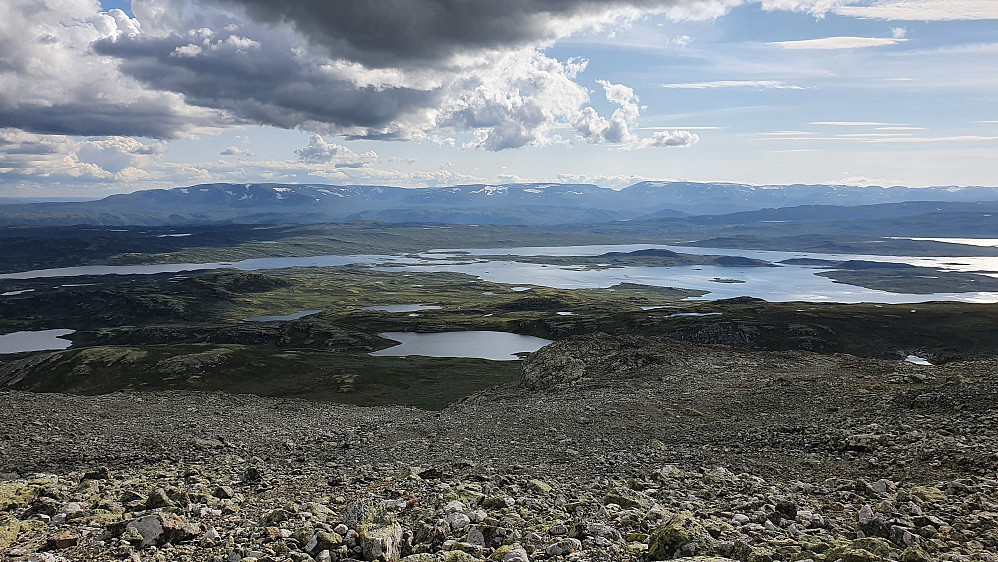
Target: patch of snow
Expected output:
[492,189]
[12,293]
[533,191]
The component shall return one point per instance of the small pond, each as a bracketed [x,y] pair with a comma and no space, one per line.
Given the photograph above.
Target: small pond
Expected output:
[43,340]
[694,314]
[295,316]
[402,307]
[498,346]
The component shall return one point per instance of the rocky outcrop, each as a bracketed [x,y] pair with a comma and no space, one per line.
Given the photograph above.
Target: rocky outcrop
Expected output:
[589,356]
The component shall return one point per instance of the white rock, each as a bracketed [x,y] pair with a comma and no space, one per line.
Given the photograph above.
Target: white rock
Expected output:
[458,521]
[455,506]
[865,514]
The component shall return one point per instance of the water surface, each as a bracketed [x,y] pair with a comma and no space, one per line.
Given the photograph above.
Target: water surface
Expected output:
[783,283]
[498,346]
[42,340]
[295,316]
[402,307]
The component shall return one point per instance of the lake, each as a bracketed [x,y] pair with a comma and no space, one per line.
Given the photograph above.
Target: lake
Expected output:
[42,340]
[498,346]
[783,283]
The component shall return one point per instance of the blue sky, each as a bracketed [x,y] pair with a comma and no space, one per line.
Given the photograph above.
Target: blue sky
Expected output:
[117,96]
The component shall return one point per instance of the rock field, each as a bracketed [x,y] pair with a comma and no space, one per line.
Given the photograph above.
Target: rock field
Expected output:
[609,448]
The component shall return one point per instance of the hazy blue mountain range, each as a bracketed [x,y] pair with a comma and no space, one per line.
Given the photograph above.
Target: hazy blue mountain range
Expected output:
[529,204]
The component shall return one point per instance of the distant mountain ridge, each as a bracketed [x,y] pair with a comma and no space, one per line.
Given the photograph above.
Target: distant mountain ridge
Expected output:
[535,204]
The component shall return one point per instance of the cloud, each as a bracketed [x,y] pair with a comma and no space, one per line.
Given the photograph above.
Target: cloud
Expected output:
[236,151]
[922,10]
[786,133]
[670,138]
[684,127]
[51,158]
[958,138]
[681,41]
[385,34]
[831,43]
[514,99]
[318,151]
[53,83]
[361,69]
[761,84]
[816,7]
[849,123]
[618,129]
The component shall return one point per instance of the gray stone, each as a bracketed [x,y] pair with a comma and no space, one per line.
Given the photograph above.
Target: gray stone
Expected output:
[458,521]
[563,547]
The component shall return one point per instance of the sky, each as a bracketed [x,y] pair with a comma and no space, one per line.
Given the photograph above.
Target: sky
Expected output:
[112,96]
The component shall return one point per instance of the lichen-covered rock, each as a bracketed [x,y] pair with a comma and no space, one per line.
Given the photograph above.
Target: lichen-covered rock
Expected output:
[381,540]
[459,556]
[157,529]
[9,528]
[928,493]
[16,495]
[704,559]
[681,534]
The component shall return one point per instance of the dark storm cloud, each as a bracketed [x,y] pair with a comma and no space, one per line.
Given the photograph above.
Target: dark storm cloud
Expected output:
[148,117]
[391,33]
[51,82]
[265,85]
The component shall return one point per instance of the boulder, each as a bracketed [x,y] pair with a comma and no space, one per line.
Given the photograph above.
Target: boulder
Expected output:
[681,534]
[157,529]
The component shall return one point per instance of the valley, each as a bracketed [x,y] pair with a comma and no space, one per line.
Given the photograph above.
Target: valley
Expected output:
[273,361]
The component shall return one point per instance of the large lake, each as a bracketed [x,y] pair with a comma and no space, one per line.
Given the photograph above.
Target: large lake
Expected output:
[498,346]
[784,283]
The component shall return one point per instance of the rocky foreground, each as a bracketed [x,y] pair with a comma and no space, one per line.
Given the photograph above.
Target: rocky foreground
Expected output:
[608,449]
